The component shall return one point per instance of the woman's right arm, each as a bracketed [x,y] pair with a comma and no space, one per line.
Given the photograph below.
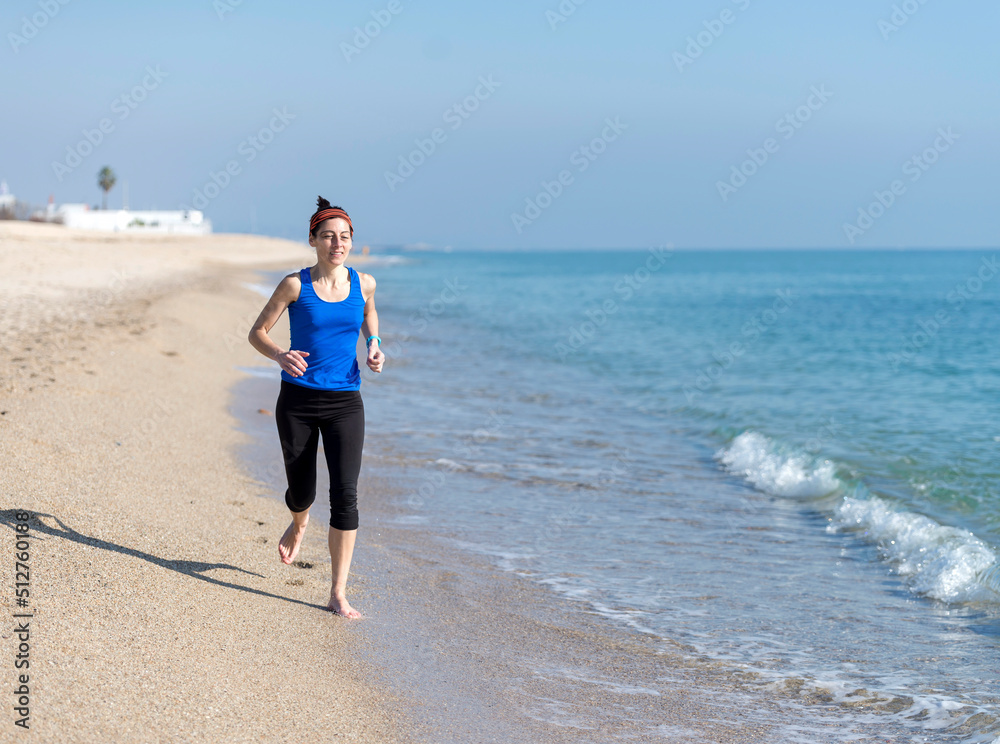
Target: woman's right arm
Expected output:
[287,292]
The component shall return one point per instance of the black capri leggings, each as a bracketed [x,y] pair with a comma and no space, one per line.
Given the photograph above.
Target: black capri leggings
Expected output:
[302,414]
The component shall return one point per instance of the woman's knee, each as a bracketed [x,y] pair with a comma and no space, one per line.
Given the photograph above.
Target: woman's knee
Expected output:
[300,501]
[348,521]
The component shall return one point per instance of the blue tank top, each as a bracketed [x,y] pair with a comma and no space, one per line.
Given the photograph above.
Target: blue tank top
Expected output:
[329,332]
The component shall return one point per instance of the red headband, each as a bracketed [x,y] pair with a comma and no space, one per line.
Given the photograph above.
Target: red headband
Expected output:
[329,214]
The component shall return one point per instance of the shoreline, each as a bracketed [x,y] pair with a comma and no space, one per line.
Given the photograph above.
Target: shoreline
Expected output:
[762,597]
[495,657]
[158,602]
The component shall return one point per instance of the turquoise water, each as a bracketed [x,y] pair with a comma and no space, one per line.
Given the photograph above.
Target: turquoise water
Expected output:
[782,461]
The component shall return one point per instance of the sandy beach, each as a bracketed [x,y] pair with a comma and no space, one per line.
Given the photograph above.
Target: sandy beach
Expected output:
[159,609]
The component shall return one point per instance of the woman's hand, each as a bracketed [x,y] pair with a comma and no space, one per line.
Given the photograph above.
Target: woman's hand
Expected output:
[292,362]
[375,358]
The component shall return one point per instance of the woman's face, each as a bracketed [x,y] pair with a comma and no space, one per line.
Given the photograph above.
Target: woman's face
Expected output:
[332,240]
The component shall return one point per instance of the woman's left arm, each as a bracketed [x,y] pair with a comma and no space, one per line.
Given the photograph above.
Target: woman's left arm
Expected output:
[369,326]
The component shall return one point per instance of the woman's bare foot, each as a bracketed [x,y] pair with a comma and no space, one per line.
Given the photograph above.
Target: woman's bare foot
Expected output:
[341,550]
[288,546]
[340,606]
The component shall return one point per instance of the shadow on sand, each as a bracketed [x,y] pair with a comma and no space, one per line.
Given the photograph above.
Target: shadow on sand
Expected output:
[194,569]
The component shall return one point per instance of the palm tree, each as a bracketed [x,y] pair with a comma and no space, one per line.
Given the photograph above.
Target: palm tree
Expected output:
[106,179]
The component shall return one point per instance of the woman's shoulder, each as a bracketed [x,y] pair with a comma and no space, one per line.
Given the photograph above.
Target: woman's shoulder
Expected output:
[289,287]
[294,279]
[367,283]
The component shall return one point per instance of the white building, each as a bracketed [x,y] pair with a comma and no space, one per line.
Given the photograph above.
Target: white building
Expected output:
[82,217]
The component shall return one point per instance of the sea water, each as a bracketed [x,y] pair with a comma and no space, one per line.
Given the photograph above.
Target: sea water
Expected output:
[782,461]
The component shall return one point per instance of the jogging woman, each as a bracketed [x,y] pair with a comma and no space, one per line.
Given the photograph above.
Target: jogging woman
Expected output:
[328,304]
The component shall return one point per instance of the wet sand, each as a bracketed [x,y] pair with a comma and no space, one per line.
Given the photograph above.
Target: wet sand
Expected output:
[160,609]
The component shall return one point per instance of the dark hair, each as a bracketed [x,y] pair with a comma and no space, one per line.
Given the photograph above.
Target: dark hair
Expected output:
[321,206]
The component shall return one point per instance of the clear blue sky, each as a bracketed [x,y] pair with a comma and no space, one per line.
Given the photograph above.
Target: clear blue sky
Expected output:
[656,182]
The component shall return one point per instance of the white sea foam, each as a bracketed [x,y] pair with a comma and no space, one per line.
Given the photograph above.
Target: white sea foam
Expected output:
[935,560]
[505,560]
[942,717]
[592,679]
[945,563]
[755,457]
[450,464]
